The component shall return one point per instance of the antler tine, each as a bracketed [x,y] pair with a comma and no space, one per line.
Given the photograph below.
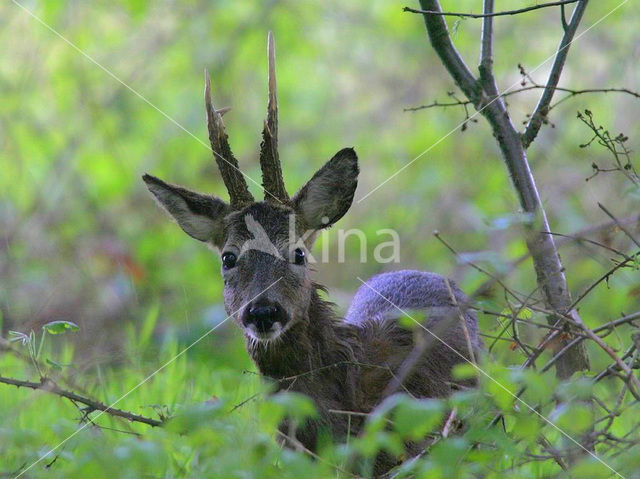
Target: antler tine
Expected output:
[239,194]
[272,181]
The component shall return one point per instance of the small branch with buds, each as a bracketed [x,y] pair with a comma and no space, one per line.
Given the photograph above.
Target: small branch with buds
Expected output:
[50,386]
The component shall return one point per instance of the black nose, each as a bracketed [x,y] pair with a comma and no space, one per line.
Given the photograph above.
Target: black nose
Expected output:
[263,316]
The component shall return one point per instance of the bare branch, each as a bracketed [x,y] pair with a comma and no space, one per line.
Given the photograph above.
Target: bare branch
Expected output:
[492,277]
[544,442]
[632,379]
[609,325]
[542,109]
[571,94]
[490,14]
[549,269]
[451,59]
[486,52]
[49,386]
[563,18]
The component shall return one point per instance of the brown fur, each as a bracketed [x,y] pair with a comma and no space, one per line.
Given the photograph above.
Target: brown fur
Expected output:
[348,365]
[293,336]
[343,365]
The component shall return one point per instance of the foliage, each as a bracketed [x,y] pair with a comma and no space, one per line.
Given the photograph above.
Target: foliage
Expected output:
[222,421]
[85,251]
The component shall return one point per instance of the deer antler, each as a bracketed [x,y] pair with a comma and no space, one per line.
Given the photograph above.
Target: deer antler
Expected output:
[272,181]
[239,194]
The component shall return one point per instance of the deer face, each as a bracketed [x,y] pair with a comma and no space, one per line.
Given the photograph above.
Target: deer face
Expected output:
[265,271]
[265,246]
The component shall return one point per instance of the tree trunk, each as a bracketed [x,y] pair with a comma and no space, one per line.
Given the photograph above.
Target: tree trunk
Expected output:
[484,95]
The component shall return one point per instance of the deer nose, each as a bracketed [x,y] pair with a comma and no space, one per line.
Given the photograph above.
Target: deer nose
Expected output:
[263,316]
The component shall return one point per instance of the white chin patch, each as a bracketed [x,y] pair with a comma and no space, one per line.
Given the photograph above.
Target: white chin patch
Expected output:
[273,333]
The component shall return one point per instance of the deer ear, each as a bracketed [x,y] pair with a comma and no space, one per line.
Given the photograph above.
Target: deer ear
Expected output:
[328,195]
[200,216]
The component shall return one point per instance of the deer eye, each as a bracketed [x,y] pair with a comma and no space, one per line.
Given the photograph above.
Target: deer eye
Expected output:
[298,256]
[228,260]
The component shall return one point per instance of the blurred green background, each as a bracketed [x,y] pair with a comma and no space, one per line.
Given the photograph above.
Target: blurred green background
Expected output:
[81,239]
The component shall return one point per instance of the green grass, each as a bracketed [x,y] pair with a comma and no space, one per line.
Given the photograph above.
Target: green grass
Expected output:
[223,421]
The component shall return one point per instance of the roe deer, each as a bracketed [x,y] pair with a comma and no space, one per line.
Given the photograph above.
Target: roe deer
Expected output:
[292,334]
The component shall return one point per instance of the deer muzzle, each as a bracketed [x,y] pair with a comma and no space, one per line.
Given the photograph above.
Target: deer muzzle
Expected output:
[264,319]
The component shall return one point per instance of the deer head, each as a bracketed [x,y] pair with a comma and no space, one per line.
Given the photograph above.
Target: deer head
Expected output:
[264,245]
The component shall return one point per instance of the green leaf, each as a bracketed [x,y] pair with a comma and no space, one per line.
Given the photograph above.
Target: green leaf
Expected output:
[574,418]
[415,418]
[296,405]
[527,426]
[379,418]
[464,371]
[408,322]
[448,454]
[60,327]
[197,416]
[370,444]
[500,386]
[524,313]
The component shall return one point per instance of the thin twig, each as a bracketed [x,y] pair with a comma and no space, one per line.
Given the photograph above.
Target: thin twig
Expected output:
[620,225]
[570,93]
[492,277]
[609,325]
[245,401]
[632,378]
[616,145]
[422,344]
[604,277]
[462,319]
[446,429]
[298,445]
[542,108]
[489,14]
